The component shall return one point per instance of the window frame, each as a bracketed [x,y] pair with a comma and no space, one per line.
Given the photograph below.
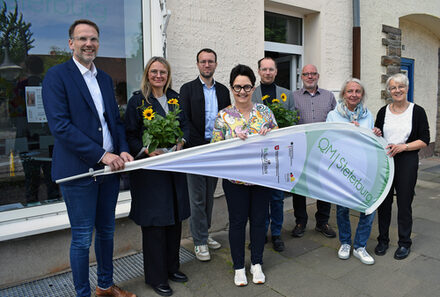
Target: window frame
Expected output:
[35,220]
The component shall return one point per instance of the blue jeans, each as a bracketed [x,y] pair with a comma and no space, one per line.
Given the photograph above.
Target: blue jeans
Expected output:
[363,229]
[275,215]
[92,206]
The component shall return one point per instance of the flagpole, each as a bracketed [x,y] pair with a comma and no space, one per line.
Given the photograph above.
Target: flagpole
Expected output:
[87,174]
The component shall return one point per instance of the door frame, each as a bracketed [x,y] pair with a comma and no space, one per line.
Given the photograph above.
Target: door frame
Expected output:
[407,66]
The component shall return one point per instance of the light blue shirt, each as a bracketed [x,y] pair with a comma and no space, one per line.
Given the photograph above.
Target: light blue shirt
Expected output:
[211,108]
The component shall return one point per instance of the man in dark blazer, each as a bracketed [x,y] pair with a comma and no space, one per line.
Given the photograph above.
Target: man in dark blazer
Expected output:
[84,119]
[201,100]
[267,69]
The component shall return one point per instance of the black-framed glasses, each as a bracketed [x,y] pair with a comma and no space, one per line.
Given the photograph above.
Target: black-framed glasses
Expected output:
[246,88]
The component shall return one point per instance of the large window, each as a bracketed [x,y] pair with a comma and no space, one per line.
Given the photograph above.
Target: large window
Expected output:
[33,38]
[283,41]
[283,29]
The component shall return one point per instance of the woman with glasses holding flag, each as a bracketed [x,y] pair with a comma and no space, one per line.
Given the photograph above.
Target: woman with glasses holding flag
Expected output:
[245,201]
[351,109]
[405,128]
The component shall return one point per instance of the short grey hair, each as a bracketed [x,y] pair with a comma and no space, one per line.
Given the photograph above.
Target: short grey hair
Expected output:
[344,86]
[399,78]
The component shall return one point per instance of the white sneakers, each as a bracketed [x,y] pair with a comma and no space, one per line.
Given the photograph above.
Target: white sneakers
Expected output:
[240,279]
[202,252]
[212,244]
[344,251]
[258,275]
[362,254]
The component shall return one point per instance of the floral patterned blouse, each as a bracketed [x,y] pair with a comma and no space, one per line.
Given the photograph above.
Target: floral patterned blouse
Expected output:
[230,122]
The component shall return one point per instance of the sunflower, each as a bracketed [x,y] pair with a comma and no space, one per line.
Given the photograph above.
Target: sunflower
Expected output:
[148,113]
[173,101]
[265,97]
[276,100]
[283,97]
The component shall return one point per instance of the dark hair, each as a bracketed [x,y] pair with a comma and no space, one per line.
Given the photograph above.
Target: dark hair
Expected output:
[242,70]
[207,50]
[79,22]
[267,58]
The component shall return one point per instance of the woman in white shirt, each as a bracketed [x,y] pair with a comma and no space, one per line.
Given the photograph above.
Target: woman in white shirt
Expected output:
[405,127]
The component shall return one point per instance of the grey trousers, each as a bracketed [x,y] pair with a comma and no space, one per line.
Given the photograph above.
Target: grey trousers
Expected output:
[201,198]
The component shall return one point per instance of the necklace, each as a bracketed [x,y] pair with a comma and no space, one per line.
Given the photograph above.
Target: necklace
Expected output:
[393,109]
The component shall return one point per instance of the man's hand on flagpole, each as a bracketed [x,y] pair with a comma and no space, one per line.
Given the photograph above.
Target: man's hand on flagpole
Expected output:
[126,157]
[115,162]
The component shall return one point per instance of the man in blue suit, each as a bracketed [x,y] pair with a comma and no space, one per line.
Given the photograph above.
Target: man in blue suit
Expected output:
[84,119]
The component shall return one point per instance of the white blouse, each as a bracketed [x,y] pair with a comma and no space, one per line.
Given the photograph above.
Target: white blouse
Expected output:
[397,127]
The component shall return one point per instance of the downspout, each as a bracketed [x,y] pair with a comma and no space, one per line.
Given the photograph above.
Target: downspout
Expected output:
[356,40]
[166,14]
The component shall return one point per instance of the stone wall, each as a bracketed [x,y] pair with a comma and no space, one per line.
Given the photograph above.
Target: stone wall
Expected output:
[393,44]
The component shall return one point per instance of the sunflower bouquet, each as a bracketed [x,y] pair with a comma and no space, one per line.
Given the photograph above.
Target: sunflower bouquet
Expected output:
[161,132]
[284,117]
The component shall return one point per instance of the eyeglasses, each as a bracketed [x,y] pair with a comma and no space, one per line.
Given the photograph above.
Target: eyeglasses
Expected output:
[83,39]
[238,88]
[400,88]
[210,62]
[309,73]
[156,72]
[267,69]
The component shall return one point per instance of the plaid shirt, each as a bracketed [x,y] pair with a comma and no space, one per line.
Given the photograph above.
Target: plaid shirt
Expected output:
[313,109]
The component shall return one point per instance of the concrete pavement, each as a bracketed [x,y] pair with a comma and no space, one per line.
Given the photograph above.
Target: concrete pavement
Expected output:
[309,266]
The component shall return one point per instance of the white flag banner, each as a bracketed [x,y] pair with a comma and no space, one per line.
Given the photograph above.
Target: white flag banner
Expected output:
[334,162]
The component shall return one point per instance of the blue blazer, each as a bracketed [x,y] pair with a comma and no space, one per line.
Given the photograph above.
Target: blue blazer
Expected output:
[74,121]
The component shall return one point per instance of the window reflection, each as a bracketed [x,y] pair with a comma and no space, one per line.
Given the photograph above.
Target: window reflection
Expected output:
[282,28]
[33,38]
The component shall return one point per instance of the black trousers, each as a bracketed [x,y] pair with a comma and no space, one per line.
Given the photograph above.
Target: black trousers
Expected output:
[300,210]
[246,202]
[161,252]
[406,165]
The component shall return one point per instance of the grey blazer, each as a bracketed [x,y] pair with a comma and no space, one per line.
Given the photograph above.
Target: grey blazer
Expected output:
[288,104]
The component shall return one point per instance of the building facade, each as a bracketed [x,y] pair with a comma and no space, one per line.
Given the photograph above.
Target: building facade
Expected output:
[394,36]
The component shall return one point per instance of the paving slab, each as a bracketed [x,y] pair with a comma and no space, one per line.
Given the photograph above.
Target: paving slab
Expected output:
[380,281]
[302,281]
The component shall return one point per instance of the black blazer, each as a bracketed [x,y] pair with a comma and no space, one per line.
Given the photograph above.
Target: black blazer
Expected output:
[158,198]
[193,104]
[420,126]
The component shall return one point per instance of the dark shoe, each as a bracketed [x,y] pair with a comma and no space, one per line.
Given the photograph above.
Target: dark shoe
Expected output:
[278,244]
[299,230]
[114,291]
[401,253]
[381,248]
[178,276]
[163,289]
[250,243]
[326,230]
